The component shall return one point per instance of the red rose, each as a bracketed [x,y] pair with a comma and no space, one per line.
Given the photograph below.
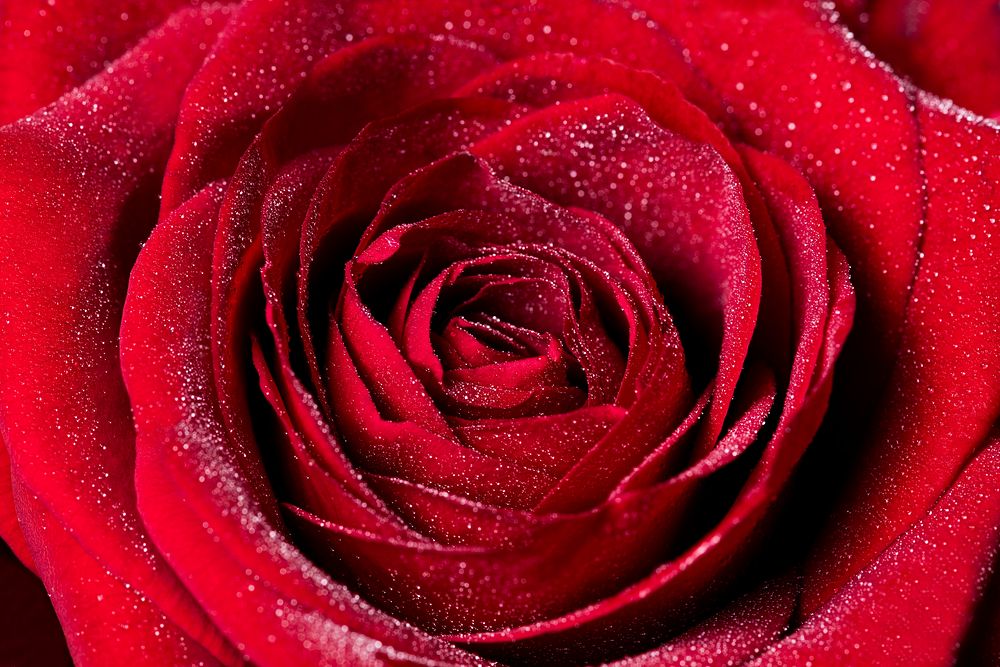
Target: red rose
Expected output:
[416,332]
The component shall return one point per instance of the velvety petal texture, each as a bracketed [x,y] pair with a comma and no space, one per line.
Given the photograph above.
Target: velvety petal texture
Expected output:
[78,188]
[464,333]
[950,51]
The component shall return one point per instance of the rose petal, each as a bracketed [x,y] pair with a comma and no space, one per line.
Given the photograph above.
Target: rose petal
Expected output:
[948,51]
[78,199]
[799,224]
[731,636]
[267,46]
[511,28]
[303,479]
[981,643]
[551,78]
[943,395]
[913,603]
[337,98]
[407,450]
[47,49]
[94,605]
[551,443]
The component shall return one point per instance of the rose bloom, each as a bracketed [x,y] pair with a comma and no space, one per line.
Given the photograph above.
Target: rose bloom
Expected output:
[523,332]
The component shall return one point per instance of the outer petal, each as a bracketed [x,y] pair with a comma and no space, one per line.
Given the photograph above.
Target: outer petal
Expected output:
[47,48]
[913,603]
[75,204]
[265,51]
[944,394]
[950,49]
[105,620]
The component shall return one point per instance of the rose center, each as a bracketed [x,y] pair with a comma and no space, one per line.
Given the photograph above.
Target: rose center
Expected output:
[502,331]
